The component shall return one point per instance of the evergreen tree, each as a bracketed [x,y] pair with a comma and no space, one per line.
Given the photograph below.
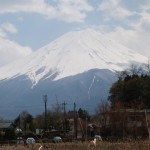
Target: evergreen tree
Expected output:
[131,88]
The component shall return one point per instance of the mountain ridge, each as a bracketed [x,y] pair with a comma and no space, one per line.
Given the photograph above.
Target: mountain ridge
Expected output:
[73,53]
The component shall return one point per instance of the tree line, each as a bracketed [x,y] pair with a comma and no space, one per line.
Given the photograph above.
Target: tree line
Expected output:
[128,99]
[25,125]
[132,88]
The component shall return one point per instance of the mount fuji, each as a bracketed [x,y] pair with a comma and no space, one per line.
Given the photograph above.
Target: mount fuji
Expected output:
[77,67]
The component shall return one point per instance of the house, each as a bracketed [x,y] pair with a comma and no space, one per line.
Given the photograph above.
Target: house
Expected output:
[4,126]
[126,123]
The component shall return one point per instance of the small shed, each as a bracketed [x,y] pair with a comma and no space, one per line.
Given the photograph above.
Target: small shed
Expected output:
[4,126]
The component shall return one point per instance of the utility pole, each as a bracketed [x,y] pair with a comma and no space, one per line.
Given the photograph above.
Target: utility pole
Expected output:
[19,129]
[64,106]
[75,122]
[45,104]
[86,125]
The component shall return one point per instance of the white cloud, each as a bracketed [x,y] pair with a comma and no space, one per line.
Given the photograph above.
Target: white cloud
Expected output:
[143,22]
[8,27]
[146,7]
[66,10]
[11,51]
[9,6]
[114,9]
[137,31]
[2,33]
[137,40]
[72,10]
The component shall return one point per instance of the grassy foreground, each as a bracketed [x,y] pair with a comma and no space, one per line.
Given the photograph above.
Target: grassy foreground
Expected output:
[132,145]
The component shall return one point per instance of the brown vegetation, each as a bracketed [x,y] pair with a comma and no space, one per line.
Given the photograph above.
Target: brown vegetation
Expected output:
[129,145]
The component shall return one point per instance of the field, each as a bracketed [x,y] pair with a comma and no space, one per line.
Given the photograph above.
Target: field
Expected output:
[132,145]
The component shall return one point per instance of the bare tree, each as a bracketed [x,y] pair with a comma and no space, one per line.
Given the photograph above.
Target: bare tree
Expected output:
[122,74]
[102,112]
[104,106]
[135,69]
[148,66]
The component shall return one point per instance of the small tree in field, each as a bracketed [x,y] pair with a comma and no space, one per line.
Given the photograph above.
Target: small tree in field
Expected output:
[102,116]
[25,122]
[102,111]
[54,118]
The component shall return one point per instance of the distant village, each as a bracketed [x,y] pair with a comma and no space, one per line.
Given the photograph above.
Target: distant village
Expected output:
[78,125]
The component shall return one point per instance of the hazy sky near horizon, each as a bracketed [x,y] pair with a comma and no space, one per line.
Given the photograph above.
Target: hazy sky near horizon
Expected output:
[26,25]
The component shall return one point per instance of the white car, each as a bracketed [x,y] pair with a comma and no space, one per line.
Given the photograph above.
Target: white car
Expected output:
[98,137]
[57,139]
[30,140]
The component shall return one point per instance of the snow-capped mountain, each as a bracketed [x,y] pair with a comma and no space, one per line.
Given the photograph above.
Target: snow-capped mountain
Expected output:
[78,65]
[71,54]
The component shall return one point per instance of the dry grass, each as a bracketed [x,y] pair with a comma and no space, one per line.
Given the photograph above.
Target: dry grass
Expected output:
[138,145]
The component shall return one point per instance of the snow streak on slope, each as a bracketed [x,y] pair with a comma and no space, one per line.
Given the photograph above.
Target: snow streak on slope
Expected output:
[71,54]
[91,86]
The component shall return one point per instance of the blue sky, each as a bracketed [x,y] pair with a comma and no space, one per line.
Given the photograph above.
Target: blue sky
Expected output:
[26,25]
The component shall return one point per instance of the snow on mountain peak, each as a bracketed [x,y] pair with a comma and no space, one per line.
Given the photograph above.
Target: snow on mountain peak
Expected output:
[73,53]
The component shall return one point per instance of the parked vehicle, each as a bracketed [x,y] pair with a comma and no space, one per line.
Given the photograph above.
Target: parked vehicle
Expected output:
[30,140]
[57,139]
[98,137]
[20,140]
